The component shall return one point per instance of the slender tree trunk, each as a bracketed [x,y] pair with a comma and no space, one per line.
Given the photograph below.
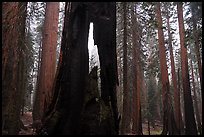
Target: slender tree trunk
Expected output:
[197,50]
[137,80]
[168,124]
[22,63]
[195,101]
[136,97]
[48,60]
[188,103]
[148,125]
[176,96]
[196,42]
[200,95]
[119,88]
[125,127]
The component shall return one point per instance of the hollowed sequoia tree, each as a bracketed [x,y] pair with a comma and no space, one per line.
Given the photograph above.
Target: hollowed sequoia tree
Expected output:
[65,112]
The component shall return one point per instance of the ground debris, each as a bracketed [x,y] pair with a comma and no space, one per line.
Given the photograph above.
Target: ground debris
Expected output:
[27,129]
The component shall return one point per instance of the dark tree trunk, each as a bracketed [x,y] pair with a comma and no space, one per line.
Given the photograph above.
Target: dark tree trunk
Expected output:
[90,116]
[72,74]
[64,115]
[13,28]
[148,126]
[125,127]
[105,39]
[188,103]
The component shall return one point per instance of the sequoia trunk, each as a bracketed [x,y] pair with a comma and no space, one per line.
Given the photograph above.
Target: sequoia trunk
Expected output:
[48,60]
[188,103]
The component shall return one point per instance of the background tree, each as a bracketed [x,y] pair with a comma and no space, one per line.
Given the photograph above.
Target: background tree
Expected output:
[48,61]
[178,117]
[196,10]
[28,65]
[195,101]
[151,100]
[36,14]
[168,117]
[125,125]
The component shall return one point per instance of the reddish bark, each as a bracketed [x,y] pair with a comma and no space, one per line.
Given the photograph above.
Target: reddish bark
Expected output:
[188,103]
[168,124]
[48,60]
[137,81]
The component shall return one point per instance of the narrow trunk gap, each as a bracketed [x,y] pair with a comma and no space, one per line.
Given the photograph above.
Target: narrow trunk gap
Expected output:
[93,56]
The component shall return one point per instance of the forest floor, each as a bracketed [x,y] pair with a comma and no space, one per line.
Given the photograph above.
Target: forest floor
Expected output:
[27,121]
[28,130]
[153,131]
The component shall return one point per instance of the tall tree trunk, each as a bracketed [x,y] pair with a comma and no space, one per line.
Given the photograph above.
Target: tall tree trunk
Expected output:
[176,96]
[13,28]
[195,101]
[188,103]
[136,116]
[168,124]
[64,112]
[48,60]
[137,80]
[125,127]
[105,39]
